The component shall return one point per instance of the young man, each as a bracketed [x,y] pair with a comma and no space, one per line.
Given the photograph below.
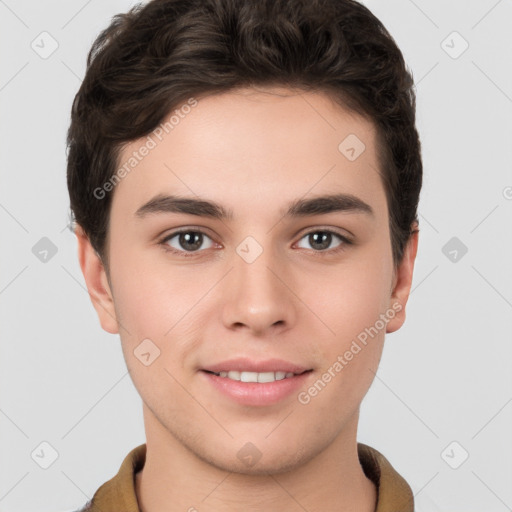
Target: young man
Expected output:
[244,178]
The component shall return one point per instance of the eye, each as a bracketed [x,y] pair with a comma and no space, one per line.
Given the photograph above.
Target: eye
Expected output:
[320,240]
[189,242]
[186,241]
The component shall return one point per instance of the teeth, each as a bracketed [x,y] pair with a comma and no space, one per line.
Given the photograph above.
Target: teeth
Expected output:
[255,376]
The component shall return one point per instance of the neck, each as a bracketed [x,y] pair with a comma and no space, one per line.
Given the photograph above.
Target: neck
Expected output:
[176,479]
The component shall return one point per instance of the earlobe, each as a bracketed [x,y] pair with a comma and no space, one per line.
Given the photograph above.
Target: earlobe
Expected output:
[97,283]
[403,281]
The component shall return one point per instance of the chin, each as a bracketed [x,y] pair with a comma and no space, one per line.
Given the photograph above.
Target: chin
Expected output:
[263,466]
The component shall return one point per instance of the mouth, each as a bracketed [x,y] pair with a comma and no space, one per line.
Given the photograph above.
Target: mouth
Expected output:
[259,377]
[252,382]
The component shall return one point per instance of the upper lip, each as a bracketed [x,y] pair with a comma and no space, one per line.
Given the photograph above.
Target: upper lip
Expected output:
[250,365]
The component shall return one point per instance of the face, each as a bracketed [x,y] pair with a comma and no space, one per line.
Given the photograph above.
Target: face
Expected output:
[283,282]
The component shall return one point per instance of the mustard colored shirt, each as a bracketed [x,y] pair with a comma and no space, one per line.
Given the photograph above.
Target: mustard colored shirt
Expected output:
[118,493]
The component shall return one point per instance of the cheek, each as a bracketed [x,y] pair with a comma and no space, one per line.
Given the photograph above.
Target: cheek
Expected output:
[352,298]
[351,303]
[352,309]
[151,295]
[161,303]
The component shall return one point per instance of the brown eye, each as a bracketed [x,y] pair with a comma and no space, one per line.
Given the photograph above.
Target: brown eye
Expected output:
[187,241]
[321,240]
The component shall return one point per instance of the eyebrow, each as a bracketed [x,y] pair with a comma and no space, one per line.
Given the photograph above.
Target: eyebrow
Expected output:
[299,208]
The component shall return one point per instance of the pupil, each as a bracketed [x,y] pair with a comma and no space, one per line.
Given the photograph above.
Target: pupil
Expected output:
[324,242]
[185,238]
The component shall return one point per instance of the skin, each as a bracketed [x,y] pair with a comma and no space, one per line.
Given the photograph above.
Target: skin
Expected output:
[252,151]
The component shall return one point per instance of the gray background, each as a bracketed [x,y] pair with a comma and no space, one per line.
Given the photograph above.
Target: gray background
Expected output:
[445,377]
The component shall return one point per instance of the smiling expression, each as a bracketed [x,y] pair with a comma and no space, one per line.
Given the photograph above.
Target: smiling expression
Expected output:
[247,233]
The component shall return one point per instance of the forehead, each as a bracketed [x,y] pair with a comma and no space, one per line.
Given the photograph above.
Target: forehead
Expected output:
[252,146]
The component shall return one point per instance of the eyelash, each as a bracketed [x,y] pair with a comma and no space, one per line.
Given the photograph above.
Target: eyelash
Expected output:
[187,254]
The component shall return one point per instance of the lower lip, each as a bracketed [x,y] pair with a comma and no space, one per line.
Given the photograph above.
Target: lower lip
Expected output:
[254,393]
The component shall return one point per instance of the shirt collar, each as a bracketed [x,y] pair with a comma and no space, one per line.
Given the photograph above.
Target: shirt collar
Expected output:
[118,493]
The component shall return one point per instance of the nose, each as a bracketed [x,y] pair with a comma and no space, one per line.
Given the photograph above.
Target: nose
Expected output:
[259,295]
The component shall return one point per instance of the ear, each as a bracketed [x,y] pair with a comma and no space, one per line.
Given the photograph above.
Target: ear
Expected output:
[97,283]
[402,281]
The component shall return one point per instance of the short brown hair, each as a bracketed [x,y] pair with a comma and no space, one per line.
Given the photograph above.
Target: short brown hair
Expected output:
[156,56]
